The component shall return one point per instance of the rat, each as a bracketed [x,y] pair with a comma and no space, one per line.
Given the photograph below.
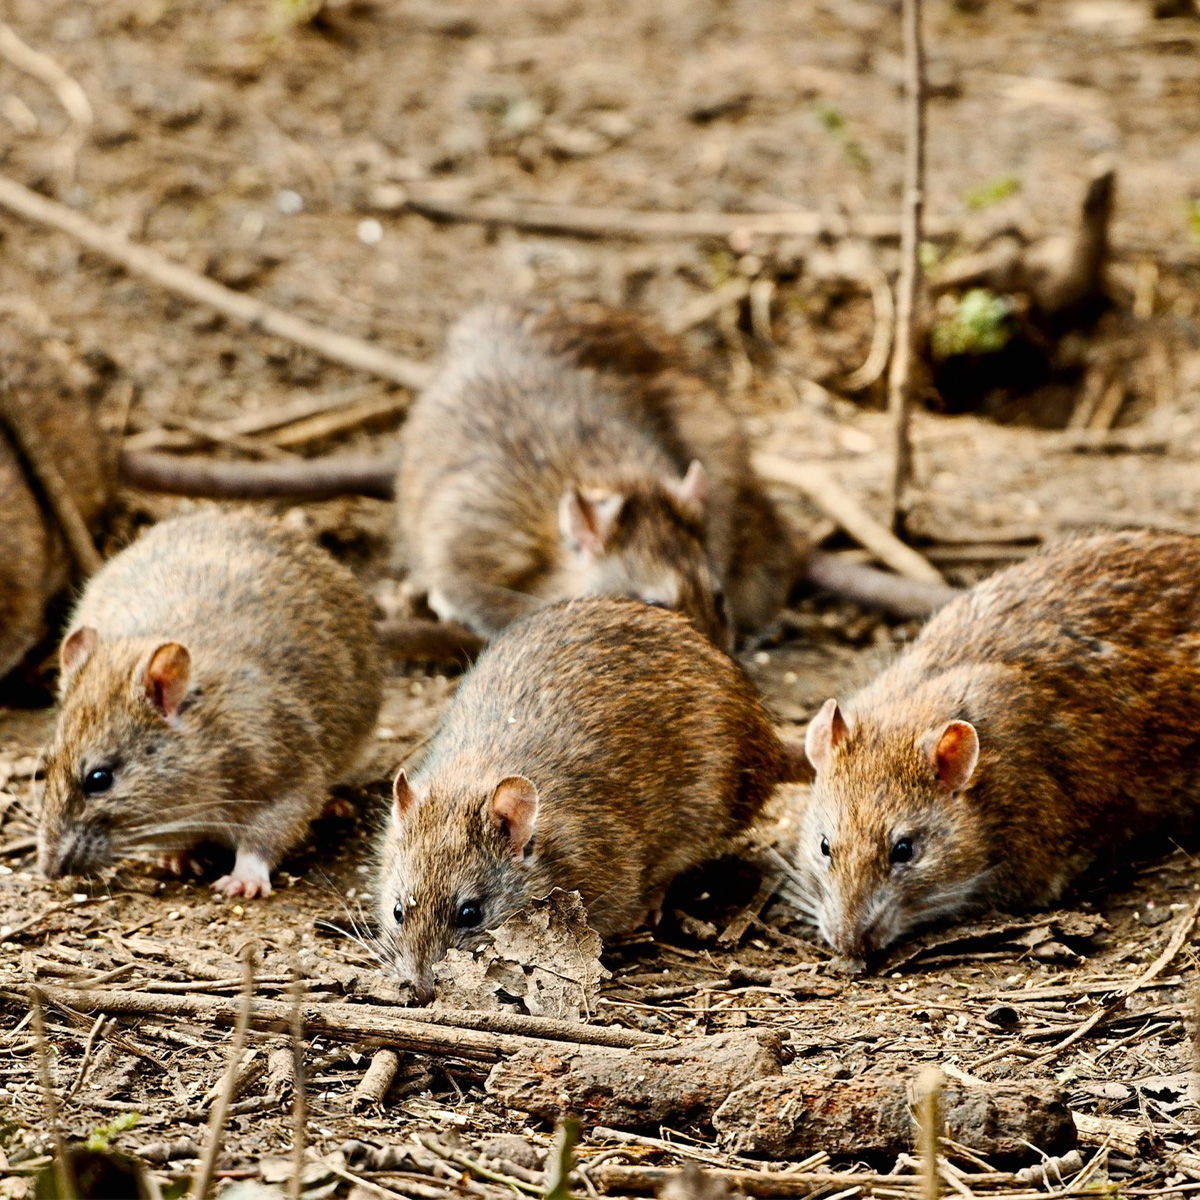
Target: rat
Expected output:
[1037,723]
[219,675]
[37,403]
[598,744]
[525,480]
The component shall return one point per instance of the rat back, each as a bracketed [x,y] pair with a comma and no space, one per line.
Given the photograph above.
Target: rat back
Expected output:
[648,747]
[1080,670]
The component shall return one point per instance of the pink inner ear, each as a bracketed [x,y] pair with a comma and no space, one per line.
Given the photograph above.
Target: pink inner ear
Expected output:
[587,517]
[167,676]
[825,731]
[955,754]
[78,648]
[404,799]
[513,812]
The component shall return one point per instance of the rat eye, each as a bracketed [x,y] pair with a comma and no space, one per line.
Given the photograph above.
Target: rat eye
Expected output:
[99,780]
[398,912]
[825,847]
[470,914]
[902,851]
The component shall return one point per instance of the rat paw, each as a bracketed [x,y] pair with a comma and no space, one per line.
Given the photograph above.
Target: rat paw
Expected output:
[250,877]
[180,863]
[338,806]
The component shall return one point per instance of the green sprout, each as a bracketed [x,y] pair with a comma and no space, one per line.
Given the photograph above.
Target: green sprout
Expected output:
[1193,216]
[978,325]
[992,193]
[102,1138]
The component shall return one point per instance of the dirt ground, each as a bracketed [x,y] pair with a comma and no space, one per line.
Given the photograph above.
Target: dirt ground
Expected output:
[277,154]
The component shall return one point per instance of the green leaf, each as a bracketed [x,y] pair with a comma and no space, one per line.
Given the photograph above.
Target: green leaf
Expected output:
[562,1160]
[992,193]
[101,1138]
[1194,218]
[980,324]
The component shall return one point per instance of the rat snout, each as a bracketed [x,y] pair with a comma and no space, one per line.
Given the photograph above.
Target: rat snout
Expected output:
[76,851]
[422,988]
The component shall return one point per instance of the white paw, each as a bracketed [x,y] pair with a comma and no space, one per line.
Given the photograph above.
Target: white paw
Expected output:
[250,877]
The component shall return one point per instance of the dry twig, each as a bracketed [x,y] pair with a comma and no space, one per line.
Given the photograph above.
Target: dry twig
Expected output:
[900,381]
[202,1180]
[833,500]
[141,260]
[929,1088]
[62,1163]
[44,69]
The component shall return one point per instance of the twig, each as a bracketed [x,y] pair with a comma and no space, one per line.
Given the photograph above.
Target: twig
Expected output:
[44,69]
[929,1087]
[833,500]
[62,1164]
[373,1086]
[317,478]
[299,1096]
[1109,408]
[45,474]
[705,307]
[733,933]
[202,1180]
[88,1047]
[474,1165]
[484,1037]
[900,381]
[140,260]
[594,221]
[340,420]
[881,336]
[1164,960]
[1111,441]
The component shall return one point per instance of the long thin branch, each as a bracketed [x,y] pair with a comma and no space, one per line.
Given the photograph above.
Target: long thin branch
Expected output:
[44,69]
[595,221]
[900,381]
[140,260]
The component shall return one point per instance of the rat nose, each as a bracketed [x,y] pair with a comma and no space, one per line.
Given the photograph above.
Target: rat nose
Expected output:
[54,858]
[423,988]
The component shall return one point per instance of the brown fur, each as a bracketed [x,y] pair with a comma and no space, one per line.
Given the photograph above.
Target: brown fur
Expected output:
[284,688]
[34,563]
[525,406]
[648,749]
[1080,671]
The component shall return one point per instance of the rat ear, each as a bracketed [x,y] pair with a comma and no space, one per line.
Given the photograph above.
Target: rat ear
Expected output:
[587,517]
[692,489]
[404,796]
[513,812]
[166,679]
[953,754]
[76,649]
[825,731]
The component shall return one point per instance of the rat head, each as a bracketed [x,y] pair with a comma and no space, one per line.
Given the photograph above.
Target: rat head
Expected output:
[646,542]
[456,863]
[114,775]
[891,837]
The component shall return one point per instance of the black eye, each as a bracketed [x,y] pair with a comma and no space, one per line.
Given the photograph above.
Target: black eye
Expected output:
[825,846]
[398,912]
[99,780]
[470,914]
[902,851]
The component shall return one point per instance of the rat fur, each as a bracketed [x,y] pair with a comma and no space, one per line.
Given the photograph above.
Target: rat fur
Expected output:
[599,744]
[220,673]
[1038,722]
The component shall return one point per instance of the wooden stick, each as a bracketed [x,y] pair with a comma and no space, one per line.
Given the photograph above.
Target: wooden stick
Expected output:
[140,260]
[44,69]
[833,500]
[62,1163]
[594,221]
[202,1180]
[45,473]
[299,1096]
[929,1087]
[881,336]
[313,479]
[485,1037]
[900,381]
[373,1086]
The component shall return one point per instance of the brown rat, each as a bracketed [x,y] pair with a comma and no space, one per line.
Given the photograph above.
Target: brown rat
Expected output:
[221,672]
[1037,723]
[599,744]
[525,480]
[35,565]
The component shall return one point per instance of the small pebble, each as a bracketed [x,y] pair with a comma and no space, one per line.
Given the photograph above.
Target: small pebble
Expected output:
[370,232]
[289,203]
